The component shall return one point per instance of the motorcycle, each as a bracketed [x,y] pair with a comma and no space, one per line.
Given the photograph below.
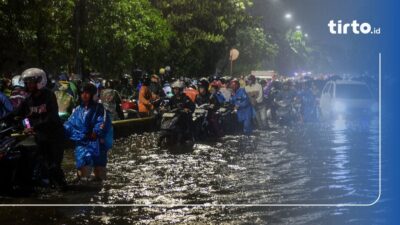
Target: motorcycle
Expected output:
[174,129]
[285,111]
[227,118]
[200,121]
[297,109]
[130,109]
[17,161]
[159,104]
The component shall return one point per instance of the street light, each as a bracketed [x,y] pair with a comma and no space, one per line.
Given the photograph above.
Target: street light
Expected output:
[306,35]
[288,16]
[298,27]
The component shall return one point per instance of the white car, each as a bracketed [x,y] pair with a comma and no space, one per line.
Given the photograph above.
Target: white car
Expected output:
[343,98]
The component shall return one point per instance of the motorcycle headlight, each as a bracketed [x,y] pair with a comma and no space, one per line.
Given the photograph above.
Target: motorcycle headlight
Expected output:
[339,107]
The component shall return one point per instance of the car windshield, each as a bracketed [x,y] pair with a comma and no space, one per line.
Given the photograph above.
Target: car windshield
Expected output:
[352,91]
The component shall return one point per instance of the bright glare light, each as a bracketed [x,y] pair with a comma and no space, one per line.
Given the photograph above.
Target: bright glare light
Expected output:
[340,107]
[298,27]
[288,16]
[306,35]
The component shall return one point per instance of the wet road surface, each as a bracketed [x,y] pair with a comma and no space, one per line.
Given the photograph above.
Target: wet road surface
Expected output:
[329,163]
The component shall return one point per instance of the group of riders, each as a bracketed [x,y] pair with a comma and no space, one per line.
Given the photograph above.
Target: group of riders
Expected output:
[83,110]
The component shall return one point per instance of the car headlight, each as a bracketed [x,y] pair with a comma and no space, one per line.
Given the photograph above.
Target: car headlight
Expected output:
[339,107]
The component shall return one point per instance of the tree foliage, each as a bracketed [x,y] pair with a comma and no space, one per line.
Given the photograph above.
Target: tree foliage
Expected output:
[120,34]
[34,33]
[255,47]
[111,37]
[205,31]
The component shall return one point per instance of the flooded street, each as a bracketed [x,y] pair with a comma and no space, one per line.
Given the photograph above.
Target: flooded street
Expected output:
[333,163]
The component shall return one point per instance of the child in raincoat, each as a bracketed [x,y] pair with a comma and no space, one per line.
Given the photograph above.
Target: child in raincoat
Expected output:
[90,128]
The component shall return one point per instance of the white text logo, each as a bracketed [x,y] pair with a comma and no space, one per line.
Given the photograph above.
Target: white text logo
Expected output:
[355,27]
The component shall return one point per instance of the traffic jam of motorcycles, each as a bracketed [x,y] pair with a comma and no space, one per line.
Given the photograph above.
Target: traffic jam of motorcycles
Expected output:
[41,117]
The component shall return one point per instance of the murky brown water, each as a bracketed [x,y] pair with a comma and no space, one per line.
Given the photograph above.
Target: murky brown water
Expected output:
[312,163]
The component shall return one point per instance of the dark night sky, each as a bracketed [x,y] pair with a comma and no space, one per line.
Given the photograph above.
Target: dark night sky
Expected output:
[350,53]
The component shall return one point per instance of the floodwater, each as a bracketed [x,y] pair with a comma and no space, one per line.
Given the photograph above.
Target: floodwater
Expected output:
[316,163]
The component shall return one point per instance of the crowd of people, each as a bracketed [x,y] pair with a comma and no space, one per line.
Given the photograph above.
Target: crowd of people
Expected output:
[83,110]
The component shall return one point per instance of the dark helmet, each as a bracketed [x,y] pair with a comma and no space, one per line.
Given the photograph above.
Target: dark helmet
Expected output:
[252,78]
[109,84]
[63,77]
[204,84]
[146,80]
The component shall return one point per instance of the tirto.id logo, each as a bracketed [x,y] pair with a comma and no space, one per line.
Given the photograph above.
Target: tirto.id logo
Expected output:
[355,27]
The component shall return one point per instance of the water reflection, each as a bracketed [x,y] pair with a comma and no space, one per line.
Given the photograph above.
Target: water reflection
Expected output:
[308,163]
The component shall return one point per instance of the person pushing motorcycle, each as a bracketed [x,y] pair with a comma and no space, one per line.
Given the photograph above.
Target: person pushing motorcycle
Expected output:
[181,101]
[40,114]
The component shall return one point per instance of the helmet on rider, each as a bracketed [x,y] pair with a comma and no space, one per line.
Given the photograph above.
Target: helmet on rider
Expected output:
[146,80]
[216,83]
[108,84]
[17,81]
[178,85]
[203,86]
[63,77]
[35,75]
[251,79]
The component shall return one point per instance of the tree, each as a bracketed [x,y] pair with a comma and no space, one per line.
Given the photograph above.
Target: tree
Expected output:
[254,48]
[117,35]
[204,32]
[35,33]
[102,35]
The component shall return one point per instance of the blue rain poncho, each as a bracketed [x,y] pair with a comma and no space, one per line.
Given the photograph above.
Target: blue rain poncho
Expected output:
[81,124]
[245,111]
[5,107]
[220,97]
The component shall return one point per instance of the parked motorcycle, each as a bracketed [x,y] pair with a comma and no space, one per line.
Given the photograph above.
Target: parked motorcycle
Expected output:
[17,161]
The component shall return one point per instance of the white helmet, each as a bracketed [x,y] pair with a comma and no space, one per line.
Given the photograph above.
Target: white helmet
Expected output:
[178,84]
[37,75]
[17,81]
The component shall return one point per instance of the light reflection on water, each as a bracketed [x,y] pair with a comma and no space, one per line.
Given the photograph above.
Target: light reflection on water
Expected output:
[310,163]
